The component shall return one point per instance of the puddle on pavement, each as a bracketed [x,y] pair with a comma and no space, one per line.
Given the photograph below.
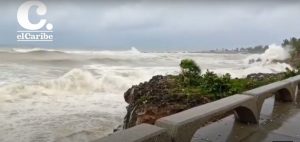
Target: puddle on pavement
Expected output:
[278,121]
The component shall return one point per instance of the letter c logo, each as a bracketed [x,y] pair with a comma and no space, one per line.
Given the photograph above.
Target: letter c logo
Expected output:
[23,15]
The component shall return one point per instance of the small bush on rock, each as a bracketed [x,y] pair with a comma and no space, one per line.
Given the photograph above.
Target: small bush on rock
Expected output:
[190,72]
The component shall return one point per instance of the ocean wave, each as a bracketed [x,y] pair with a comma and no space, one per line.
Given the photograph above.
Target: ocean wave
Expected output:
[28,50]
[76,81]
[93,79]
[133,50]
[115,74]
[70,57]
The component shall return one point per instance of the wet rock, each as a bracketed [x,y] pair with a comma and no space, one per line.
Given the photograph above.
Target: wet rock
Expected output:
[118,128]
[156,98]
[264,76]
[251,61]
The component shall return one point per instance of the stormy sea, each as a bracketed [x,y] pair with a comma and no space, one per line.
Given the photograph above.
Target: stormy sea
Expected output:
[48,94]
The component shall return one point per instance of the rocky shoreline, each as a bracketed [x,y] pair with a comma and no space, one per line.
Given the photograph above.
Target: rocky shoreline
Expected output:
[155,98]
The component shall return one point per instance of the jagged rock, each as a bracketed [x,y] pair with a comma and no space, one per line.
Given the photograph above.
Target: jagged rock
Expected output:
[154,99]
[264,76]
[118,128]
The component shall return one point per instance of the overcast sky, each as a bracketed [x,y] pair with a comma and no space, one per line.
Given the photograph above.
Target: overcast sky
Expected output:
[158,26]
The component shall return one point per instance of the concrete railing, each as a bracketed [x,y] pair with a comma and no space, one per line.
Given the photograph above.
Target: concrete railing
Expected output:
[139,133]
[180,127]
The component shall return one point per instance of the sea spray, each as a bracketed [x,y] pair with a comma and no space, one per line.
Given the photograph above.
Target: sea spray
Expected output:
[271,61]
[273,53]
[276,52]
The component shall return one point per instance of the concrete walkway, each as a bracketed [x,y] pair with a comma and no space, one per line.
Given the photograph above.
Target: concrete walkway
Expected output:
[278,122]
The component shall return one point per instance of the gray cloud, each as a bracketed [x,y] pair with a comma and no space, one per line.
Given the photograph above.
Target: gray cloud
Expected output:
[164,25]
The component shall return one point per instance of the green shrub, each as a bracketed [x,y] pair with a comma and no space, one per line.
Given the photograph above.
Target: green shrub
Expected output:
[190,72]
[192,82]
[217,86]
[294,43]
[289,73]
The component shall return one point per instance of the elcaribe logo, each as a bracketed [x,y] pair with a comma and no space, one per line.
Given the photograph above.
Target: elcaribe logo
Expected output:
[33,31]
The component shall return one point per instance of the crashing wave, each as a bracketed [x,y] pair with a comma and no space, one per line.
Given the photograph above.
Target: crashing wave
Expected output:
[272,54]
[271,61]
[134,50]
[81,82]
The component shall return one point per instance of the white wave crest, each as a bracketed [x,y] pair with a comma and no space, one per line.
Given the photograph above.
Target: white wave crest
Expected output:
[76,80]
[28,50]
[105,80]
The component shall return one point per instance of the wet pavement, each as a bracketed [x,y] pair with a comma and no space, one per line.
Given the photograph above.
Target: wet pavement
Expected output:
[278,122]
